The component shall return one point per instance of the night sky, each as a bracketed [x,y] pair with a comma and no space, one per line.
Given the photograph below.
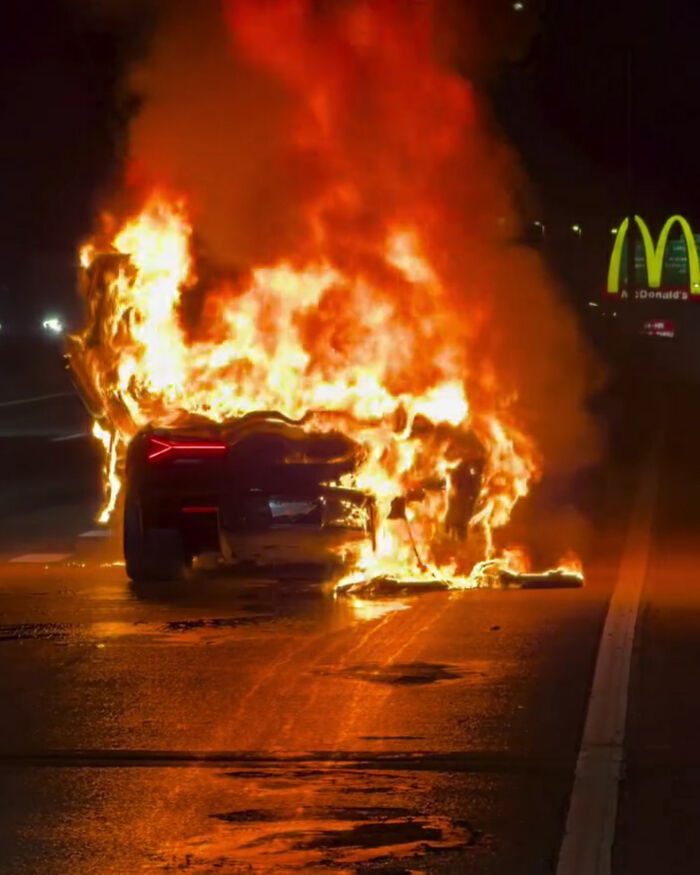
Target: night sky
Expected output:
[62,125]
[566,104]
[563,104]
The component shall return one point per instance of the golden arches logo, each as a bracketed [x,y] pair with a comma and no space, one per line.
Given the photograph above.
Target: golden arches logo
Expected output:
[654,255]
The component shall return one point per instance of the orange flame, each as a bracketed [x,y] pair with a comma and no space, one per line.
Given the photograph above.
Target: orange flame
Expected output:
[570,563]
[259,350]
[359,323]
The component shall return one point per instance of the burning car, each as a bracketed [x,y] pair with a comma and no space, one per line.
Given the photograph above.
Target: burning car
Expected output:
[360,274]
[262,490]
[384,482]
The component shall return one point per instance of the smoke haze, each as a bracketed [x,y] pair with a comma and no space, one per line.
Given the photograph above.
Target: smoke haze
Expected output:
[295,127]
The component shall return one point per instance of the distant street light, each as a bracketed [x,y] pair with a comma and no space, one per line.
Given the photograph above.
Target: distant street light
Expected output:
[614,231]
[53,325]
[577,229]
[542,227]
[518,6]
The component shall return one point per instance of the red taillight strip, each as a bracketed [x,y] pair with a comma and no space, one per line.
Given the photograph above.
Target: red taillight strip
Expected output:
[159,448]
[162,448]
[214,448]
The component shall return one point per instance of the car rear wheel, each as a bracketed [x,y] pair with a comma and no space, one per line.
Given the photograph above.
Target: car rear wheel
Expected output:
[151,554]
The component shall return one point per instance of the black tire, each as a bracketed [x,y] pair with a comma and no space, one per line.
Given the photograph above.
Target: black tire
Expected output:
[152,555]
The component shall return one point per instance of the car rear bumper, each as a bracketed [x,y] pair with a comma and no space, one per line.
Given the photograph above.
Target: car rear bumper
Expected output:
[320,528]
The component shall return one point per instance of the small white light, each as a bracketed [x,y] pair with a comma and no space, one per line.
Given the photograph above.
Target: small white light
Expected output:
[614,230]
[52,324]
[577,229]
[518,6]
[592,304]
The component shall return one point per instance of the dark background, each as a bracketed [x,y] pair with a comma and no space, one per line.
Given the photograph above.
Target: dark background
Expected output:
[565,105]
[561,98]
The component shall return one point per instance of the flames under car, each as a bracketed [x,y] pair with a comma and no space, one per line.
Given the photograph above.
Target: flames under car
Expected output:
[261,490]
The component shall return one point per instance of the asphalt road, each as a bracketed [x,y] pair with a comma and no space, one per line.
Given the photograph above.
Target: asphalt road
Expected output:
[255,723]
[238,725]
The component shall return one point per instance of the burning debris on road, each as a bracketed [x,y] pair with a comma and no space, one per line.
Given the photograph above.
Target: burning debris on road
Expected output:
[352,274]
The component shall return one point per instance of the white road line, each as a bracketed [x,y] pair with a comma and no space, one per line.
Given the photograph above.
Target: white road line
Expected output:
[590,826]
[32,400]
[40,558]
[70,437]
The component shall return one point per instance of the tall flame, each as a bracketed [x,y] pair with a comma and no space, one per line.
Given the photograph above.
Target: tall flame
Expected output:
[309,341]
[324,228]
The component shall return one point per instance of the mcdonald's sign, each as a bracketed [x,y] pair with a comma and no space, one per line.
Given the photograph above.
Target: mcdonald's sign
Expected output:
[654,257]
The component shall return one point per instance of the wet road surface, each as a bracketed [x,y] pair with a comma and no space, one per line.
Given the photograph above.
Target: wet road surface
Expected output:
[258,725]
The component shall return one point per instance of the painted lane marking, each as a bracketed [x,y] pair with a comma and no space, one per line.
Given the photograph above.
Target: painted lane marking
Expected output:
[590,825]
[37,398]
[70,437]
[40,558]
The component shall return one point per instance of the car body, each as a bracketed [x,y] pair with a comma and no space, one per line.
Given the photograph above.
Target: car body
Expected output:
[260,490]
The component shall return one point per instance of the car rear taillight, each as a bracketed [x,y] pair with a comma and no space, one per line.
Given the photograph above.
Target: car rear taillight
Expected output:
[159,449]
